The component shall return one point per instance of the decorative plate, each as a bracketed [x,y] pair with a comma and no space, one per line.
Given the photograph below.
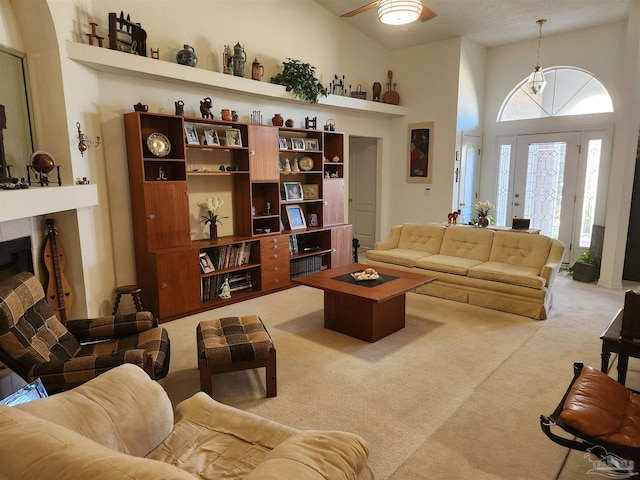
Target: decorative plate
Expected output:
[158,144]
[361,276]
[305,163]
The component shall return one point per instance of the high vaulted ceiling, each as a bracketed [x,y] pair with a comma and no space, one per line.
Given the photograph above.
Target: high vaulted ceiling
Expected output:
[487,22]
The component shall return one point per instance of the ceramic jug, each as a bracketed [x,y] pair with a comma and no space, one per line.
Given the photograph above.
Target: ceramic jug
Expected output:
[239,59]
[179,107]
[187,56]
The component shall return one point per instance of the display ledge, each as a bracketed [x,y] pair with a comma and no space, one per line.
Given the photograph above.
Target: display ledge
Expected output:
[34,201]
[112,61]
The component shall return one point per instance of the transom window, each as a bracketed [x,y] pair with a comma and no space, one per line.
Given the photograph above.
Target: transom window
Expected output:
[569,91]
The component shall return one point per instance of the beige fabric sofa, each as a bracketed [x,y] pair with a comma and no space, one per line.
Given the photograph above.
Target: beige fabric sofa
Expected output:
[121,425]
[503,270]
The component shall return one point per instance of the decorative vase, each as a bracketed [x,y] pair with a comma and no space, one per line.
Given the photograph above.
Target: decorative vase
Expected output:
[483,222]
[289,123]
[234,115]
[213,230]
[226,115]
[187,56]
[277,120]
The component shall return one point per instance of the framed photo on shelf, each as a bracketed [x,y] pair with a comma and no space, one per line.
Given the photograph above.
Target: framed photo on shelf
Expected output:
[191,134]
[282,142]
[295,216]
[234,139]
[310,191]
[297,143]
[211,137]
[313,219]
[292,191]
[311,144]
[206,265]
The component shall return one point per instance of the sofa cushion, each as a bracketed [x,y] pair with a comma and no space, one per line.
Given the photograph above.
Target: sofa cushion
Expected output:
[513,274]
[602,408]
[446,263]
[40,449]
[90,411]
[467,242]
[397,256]
[521,249]
[312,455]
[421,237]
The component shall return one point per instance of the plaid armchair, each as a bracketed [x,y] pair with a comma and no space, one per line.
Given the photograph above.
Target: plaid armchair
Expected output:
[34,343]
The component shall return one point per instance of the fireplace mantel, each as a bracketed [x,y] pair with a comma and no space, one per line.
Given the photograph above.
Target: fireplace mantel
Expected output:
[34,201]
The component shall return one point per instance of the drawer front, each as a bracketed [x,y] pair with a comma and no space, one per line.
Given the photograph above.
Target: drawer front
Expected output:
[274,275]
[274,262]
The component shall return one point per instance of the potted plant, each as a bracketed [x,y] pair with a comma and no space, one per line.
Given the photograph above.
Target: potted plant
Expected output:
[587,267]
[299,78]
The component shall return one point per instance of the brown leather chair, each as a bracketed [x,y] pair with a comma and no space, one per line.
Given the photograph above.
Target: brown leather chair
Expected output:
[601,413]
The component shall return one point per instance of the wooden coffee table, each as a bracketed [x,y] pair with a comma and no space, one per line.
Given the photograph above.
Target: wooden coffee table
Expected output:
[368,310]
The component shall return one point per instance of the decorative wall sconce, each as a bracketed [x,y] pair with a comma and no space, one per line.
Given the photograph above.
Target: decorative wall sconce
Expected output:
[85,142]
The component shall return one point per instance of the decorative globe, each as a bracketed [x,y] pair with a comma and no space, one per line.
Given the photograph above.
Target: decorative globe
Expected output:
[42,162]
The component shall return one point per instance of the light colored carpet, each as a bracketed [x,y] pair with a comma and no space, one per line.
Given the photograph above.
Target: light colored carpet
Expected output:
[456,394]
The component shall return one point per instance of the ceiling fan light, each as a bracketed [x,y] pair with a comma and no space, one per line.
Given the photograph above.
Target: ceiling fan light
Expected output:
[399,12]
[536,82]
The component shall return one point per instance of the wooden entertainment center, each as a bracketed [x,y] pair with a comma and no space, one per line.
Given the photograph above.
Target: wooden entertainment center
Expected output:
[263,253]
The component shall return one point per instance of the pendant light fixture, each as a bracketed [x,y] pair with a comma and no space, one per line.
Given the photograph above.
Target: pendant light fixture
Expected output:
[399,12]
[536,82]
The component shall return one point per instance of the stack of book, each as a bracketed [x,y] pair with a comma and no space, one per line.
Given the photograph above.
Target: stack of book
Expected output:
[212,285]
[228,256]
[306,266]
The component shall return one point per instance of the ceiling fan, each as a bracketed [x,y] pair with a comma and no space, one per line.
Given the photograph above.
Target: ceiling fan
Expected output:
[425,12]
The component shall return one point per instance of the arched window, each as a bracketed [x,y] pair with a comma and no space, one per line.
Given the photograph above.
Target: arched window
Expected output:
[569,91]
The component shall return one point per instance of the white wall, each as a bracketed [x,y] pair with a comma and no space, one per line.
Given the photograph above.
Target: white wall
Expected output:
[427,83]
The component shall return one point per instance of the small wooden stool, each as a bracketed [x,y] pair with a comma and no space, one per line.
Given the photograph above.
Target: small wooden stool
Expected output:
[235,343]
[132,290]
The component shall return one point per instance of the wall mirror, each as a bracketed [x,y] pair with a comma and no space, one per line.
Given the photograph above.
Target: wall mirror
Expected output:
[16,128]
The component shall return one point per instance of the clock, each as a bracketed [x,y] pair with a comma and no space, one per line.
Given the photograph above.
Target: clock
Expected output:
[305,163]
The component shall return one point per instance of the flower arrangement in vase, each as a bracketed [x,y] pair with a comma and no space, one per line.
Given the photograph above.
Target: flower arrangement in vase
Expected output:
[483,209]
[211,205]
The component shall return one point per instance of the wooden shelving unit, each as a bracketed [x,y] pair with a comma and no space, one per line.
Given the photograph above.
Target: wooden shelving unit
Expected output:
[251,175]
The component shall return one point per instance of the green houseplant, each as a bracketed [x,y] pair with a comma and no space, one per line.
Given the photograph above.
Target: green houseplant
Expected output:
[299,78]
[587,267]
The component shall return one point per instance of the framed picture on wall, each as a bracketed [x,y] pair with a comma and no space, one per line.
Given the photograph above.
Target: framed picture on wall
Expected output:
[420,153]
[296,217]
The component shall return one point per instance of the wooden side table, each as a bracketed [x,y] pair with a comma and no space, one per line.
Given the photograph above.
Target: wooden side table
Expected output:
[612,342]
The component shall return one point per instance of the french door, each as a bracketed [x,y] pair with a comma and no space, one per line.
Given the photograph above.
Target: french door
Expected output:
[545,181]
[558,181]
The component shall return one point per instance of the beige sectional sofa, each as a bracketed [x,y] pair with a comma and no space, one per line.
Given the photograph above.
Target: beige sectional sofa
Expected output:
[503,270]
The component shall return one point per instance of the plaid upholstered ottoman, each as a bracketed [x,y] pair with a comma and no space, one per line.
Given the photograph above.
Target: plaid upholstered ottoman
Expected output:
[235,343]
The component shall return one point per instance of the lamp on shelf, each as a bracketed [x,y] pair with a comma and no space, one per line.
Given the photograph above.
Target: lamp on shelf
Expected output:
[537,82]
[399,12]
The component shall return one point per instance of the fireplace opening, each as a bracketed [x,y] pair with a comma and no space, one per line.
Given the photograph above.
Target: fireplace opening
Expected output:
[15,257]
